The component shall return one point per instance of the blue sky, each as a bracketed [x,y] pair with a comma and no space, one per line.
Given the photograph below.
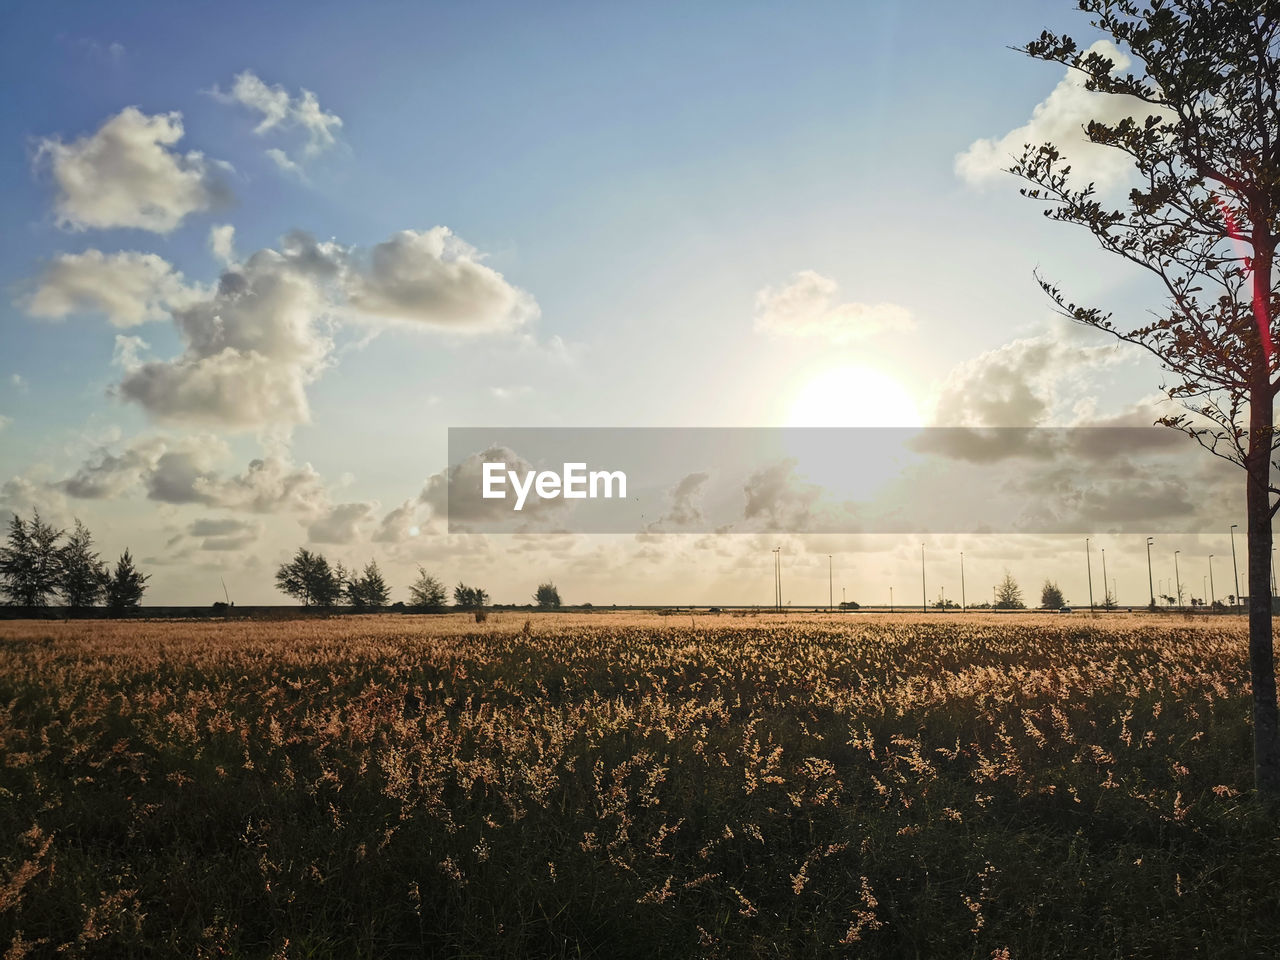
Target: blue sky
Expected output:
[651,177]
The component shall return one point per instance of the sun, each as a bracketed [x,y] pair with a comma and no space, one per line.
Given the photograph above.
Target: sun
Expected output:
[853,396]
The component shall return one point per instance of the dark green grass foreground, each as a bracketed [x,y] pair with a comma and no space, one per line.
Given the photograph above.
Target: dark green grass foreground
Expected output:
[621,787]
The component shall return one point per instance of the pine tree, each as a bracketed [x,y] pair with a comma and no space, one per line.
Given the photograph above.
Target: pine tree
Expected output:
[83,576]
[1009,594]
[29,561]
[369,590]
[126,586]
[427,593]
[1051,596]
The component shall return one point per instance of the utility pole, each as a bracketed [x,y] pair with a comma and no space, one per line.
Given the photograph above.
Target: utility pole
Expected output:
[1213,597]
[963,605]
[1088,561]
[891,599]
[924,592]
[1177,577]
[829,589]
[1235,569]
[1151,584]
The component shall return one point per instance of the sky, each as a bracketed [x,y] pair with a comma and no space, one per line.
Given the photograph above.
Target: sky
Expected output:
[261,257]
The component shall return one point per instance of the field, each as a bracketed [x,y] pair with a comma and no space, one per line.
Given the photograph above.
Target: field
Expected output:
[632,786]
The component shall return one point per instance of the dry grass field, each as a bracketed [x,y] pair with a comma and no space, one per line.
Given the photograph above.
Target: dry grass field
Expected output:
[632,786]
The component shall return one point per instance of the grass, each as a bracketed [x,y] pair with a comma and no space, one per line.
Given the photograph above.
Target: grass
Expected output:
[632,786]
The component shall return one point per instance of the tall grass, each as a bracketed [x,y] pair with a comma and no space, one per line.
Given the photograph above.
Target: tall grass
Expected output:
[628,786]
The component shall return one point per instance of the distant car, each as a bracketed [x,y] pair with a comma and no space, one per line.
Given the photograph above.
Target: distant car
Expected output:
[1064,609]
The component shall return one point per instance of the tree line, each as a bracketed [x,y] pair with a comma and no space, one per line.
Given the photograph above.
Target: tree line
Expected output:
[39,562]
[310,578]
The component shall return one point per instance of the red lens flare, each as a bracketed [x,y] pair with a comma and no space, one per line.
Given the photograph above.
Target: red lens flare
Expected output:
[1259,301]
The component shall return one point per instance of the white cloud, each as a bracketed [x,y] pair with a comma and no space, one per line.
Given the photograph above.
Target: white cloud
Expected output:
[128,287]
[436,278]
[807,307]
[127,175]
[278,109]
[18,382]
[185,470]
[1060,119]
[342,523]
[222,243]
[5,421]
[1019,384]
[281,160]
[251,350]
[254,343]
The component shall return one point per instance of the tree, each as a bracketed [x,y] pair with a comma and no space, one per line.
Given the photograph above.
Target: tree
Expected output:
[1051,596]
[83,577]
[125,587]
[469,598]
[1009,594]
[369,590]
[427,593]
[29,561]
[547,596]
[1202,220]
[309,578]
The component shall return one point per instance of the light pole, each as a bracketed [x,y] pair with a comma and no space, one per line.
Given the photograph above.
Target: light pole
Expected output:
[924,593]
[1235,569]
[1151,584]
[777,578]
[1088,560]
[891,599]
[1177,577]
[962,602]
[830,592]
[1213,598]
[1106,594]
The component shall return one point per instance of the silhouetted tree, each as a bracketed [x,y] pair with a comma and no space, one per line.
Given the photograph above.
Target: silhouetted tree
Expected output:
[469,598]
[369,590]
[1051,596]
[1202,219]
[1009,594]
[427,593]
[309,578]
[547,596]
[125,588]
[29,561]
[82,576]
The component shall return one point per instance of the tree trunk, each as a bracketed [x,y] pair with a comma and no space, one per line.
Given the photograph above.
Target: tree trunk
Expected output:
[1266,724]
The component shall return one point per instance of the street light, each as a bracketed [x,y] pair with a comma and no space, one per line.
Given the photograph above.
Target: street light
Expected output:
[1177,576]
[830,596]
[924,592]
[1106,594]
[1235,568]
[1212,596]
[962,601]
[777,578]
[1151,584]
[1088,560]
